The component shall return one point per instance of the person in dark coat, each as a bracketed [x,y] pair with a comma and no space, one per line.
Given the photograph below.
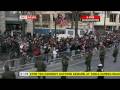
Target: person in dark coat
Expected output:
[88,59]
[102,54]
[46,53]
[65,63]
[40,65]
[8,74]
[36,52]
[115,53]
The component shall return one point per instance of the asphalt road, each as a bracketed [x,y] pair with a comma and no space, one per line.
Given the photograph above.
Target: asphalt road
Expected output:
[78,65]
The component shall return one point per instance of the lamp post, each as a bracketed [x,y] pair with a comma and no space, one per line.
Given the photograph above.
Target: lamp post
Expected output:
[76,16]
[105,21]
[55,18]
[34,20]
[55,30]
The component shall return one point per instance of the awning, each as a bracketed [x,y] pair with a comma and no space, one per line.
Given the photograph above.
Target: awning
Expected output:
[16,22]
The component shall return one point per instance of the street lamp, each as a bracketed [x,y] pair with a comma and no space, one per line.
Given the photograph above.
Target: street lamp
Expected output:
[34,20]
[76,19]
[105,21]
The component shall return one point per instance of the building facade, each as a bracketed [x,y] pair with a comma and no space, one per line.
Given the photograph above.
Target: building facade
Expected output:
[9,20]
[111,21]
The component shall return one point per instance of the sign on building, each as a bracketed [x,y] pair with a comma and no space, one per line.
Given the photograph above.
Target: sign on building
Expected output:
[90,18]
[28,17]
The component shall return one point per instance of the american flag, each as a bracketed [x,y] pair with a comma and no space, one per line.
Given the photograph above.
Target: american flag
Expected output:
[97,33]
[61,21]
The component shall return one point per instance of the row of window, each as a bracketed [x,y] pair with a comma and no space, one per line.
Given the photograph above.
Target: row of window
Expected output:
[112,17]
[112,28]
[13,27]
[68,16]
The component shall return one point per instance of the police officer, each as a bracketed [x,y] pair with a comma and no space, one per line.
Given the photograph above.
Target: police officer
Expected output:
[88,59]
[100,69]
[8,74]
[65,62]
[102,53]
[115,53]
[40,65]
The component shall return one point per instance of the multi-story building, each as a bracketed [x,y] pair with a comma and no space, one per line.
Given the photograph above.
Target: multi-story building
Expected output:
[111,21]
[9,20]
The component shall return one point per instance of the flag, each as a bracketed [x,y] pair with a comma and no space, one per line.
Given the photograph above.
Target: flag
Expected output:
[61,21]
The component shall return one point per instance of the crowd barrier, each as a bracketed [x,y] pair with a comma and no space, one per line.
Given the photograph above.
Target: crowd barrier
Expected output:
[21,63]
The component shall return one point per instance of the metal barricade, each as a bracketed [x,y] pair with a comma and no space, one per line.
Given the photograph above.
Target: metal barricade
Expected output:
[16,64]
[21,64]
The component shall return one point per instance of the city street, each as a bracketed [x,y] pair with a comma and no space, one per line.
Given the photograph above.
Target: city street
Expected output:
[49,36]
[78,65]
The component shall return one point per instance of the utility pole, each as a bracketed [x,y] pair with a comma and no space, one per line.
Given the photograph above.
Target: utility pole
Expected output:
[55,30]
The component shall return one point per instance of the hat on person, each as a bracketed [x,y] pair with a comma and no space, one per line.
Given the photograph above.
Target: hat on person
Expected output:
[100,65]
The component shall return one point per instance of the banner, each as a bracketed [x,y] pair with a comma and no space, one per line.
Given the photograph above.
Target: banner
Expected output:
[69,74]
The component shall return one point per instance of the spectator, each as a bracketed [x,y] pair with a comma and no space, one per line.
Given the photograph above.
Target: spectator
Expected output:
[8,74]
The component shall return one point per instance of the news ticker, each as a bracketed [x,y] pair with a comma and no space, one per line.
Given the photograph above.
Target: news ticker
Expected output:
[69,74]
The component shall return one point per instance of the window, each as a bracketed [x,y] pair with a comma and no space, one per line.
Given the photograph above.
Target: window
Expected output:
[96,14]
[11,14]
[112,17]
[46,20]
[45,17]
[70,32]
[60,32]
[109,27]
[119,18]
[114,27]
[81,32]
[68,16]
